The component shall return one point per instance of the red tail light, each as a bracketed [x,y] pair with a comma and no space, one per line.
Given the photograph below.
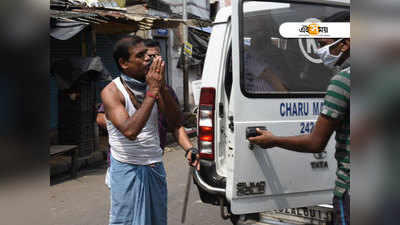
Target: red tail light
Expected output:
[206,123]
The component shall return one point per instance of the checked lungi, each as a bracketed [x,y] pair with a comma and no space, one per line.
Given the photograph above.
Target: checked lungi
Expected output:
[138,194]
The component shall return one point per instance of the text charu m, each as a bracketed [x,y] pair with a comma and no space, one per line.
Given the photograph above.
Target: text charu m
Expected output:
[300,108]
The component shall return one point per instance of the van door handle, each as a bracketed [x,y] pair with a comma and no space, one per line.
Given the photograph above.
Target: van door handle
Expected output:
[252,132]
[221,110]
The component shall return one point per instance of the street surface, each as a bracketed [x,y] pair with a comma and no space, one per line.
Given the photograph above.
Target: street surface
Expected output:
[85,200]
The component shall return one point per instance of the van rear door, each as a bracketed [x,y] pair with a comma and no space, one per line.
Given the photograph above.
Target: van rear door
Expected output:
[279,84]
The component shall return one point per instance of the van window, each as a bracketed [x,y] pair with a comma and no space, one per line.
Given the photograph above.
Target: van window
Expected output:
[228,74]
[273,66]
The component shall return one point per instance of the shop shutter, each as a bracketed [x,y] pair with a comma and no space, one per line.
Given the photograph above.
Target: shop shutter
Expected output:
[104,49]
[60,49]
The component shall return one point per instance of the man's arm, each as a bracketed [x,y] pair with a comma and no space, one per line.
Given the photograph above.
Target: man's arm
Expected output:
[184,141]
[312,143]
[116,113]
[113,101]
[169,108]
[338,95]
[182,138]
[101,120]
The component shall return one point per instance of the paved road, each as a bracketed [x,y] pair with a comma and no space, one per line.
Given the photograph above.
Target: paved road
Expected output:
[85,200]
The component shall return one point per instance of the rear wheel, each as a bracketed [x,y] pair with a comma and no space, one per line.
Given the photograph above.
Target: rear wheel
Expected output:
[235,219]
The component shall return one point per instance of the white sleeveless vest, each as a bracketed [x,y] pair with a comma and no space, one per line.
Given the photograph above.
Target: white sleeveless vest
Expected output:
[145,149]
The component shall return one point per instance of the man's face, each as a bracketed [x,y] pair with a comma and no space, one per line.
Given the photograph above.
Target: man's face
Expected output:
[135,66]
[152,52]
[342,46]
[336,49]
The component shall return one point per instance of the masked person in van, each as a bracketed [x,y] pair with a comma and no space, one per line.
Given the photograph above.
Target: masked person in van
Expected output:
[334,117]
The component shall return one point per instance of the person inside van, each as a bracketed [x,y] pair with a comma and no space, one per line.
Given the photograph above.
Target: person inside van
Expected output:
[259,75]
[335,116]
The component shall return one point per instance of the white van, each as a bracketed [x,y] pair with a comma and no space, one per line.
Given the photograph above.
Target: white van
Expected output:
[253,77]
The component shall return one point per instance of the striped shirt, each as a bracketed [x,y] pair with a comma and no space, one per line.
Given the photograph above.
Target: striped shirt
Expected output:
[337,106]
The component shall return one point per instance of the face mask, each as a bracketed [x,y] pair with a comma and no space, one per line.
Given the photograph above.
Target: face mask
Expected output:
[327,58]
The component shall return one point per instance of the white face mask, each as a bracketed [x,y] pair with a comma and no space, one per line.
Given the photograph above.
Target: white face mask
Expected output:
[326,57]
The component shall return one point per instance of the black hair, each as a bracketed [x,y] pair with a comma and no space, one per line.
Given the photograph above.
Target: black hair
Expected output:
[151,43]
[342,16]
[121,48]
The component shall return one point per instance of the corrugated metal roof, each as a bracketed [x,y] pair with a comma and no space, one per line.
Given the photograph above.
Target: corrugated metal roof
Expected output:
[105,4]
[109,20]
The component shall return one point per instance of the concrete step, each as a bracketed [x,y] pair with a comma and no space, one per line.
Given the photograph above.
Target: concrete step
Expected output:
[61,164]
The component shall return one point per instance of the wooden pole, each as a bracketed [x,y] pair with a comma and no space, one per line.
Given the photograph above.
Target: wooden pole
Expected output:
[185,62]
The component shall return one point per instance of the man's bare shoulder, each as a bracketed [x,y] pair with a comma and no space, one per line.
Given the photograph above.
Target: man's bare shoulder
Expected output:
[111,91]
[109,88]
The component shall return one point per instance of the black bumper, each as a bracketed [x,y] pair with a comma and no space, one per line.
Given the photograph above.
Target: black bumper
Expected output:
[211,186]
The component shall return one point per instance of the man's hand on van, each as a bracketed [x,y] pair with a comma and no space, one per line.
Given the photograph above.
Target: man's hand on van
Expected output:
[265,139]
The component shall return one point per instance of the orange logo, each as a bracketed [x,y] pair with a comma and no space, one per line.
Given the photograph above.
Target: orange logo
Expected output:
[313,29]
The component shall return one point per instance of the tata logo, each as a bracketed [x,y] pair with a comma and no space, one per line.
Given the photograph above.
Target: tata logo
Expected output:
[321,155]
[319,165]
